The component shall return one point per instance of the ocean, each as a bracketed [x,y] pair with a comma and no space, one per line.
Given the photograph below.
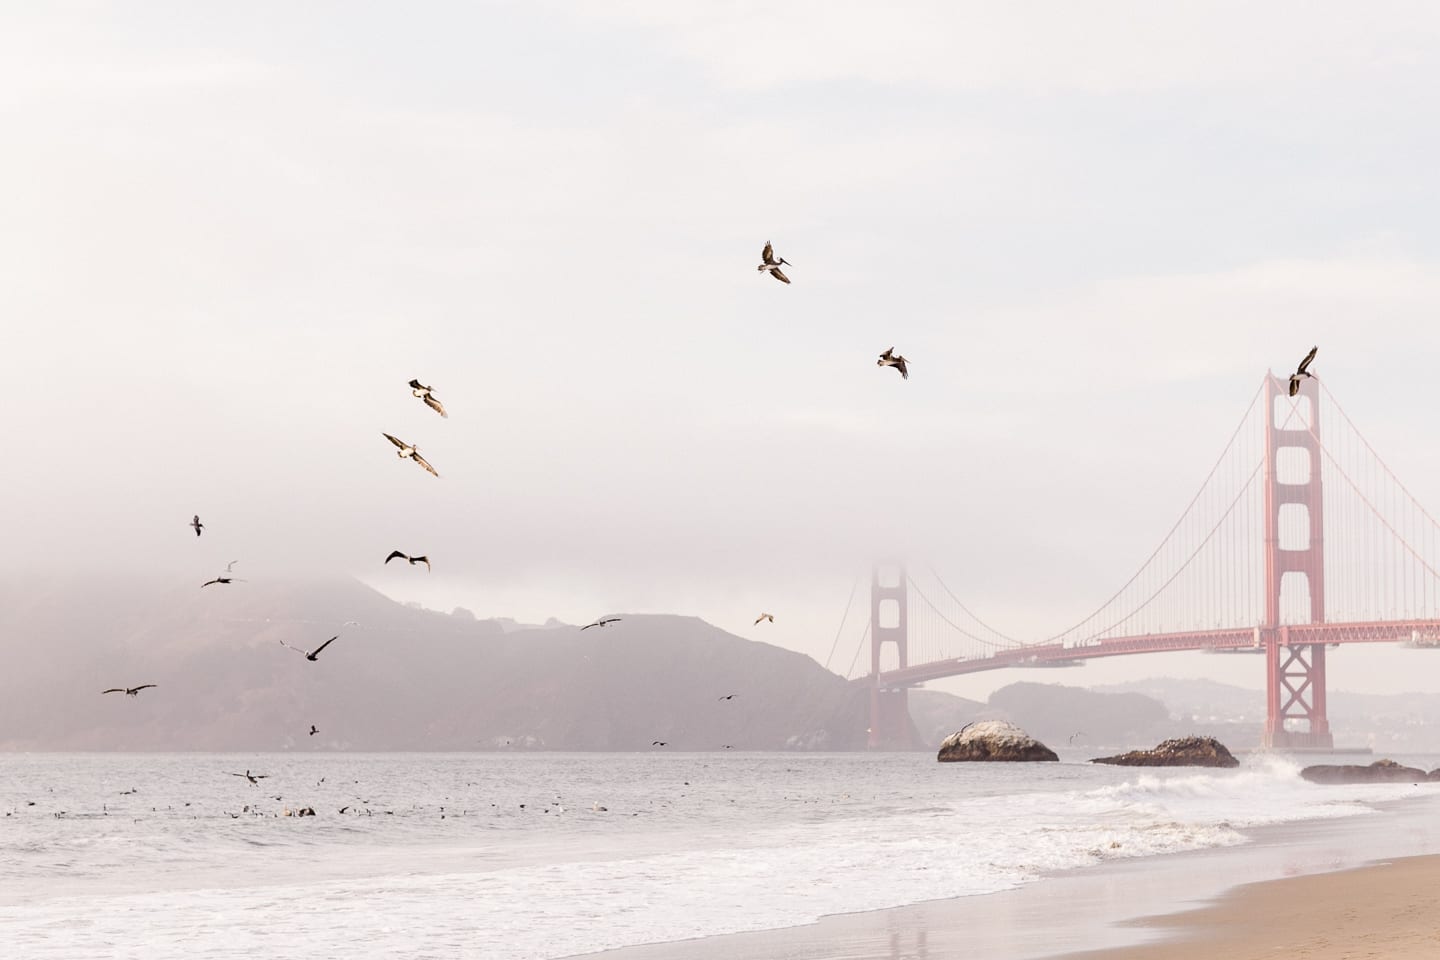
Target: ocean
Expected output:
[541,856]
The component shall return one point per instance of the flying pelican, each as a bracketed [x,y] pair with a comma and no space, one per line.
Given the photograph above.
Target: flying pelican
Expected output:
[413,560]
[408,451]
[657,743]
[197,524]
[423,392]
[768,262]
[254,778]
[313,653]
[890,359]
[728,696]
[313,731]
[601,622]
[765,616]
[129,691]
[1301,372]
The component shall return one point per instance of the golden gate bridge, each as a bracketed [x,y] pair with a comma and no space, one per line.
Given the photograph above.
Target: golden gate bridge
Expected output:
[1296,540]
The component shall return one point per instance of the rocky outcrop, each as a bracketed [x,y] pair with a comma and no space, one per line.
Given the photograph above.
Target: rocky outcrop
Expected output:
[1381,771]
[993,740]
[1180,752]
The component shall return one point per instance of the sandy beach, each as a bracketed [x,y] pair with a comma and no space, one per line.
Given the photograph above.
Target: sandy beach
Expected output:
[1354,887]
[1388,911]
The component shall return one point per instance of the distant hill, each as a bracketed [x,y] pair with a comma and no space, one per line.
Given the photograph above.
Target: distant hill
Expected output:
[1054,713]
[399,677]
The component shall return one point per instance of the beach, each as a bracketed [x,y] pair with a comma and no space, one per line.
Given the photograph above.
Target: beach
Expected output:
[1351,888]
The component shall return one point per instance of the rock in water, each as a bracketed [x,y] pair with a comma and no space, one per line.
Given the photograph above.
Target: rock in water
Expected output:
[1180,752]
[1381,771]
[993,740]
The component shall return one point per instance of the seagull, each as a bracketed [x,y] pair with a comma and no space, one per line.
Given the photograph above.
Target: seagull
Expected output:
[1077,733]
[890,359]
[769,263]
[423,392]
[413,560]
[129,691]
[197,524]
[765,616]
[1301,373]
[728,696]
[313,731]
[254,778]
[313,653]
[408,451]
[601,622]
[224,577]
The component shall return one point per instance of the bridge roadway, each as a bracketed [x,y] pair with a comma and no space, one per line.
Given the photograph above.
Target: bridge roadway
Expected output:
[1251,638]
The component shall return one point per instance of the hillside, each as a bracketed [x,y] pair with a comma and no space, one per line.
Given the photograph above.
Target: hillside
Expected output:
[399,677]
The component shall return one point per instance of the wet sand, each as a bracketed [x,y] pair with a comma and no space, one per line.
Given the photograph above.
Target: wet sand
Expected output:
[1319,895]
[1388,911]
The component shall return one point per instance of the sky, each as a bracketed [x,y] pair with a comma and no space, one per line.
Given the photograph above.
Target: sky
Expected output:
[232,235]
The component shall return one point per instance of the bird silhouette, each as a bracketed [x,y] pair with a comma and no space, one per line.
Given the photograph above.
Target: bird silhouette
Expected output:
[728,696]
[197,524]
[657,743]
[891,359]
[601,622]
[313,653]
[129,691]
[765,616]
[254,778]
[313,731]
[406,556]
[406,450]
[1302,371]
[423,392]
[769,263]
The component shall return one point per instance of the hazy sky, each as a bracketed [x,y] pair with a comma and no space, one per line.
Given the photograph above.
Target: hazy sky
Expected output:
[230,237]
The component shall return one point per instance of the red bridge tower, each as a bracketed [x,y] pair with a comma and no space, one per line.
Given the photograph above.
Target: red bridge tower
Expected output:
[890,724]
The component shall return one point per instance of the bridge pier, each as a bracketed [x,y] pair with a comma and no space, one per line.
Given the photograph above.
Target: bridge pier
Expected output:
[1294,675]
[890,726]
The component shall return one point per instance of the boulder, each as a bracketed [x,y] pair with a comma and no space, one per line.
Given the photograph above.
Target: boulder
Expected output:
[994,740]
[1180,752]
[1381,771]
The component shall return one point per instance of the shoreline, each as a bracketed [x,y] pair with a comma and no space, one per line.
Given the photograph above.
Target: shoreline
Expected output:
[1128,909]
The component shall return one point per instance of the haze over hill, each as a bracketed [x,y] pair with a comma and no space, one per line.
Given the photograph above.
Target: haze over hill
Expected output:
[399,677]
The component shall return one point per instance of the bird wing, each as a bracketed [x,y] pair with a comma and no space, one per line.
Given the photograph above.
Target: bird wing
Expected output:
[609,620]
[114,690]
[779,276]
[143,686]
[589,625]
[208,582]
[889,352]
[424,560]
[415,385]
[1308,357]
[900,365]
[289,647]
[231,565]
[435,405]
[398,443]
[423,462]
[394,554]
[768,254]
[1294,386]
[322,646]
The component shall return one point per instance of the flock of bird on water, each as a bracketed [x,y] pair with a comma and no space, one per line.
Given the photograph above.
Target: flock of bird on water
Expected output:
[770,264]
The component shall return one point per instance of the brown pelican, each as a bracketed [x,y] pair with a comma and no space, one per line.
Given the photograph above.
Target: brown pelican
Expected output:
[890,359]
[412,560]
[423,392]
[765,616]
[408,451]
[313,653]
[601,622]
[129,691]
[768,262]
[197,524]
[254,778]
[1301,372]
